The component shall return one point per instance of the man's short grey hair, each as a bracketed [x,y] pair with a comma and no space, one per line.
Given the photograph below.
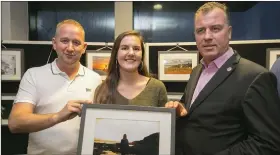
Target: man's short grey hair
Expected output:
[209,6]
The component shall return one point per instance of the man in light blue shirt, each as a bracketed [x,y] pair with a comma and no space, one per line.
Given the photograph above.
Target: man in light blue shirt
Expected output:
[276,70]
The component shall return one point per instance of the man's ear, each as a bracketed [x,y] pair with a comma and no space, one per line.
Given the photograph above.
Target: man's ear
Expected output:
[54,43]
[229,32]
[85,47]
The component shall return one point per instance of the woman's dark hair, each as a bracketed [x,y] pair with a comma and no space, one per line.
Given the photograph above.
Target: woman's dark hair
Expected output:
[105,92]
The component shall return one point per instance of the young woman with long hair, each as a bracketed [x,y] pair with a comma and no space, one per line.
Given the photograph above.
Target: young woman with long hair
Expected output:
[128,82]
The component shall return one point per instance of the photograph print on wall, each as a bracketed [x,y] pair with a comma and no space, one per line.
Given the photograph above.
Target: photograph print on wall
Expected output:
[98,61]
[11,64]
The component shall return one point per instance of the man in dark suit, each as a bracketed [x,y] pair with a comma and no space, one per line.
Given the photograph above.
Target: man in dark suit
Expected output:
[230,105]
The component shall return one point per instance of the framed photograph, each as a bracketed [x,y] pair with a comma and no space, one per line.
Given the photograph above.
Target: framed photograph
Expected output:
[98,61]
[176,65]
[174,96]
[12,64]
[7,101]
[272,54]
[123,129]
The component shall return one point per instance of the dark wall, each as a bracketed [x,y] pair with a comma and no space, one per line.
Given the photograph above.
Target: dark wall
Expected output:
[13,143]
[175,22]
[97,18]
[270,22]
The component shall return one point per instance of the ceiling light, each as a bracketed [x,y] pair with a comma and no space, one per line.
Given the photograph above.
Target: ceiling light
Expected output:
[157,6]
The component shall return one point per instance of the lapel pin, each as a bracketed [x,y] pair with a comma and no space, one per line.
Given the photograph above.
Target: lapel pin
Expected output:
[229,69]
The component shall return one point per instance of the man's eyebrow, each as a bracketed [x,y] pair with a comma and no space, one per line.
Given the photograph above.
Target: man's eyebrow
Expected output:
[218,25]
[63,38]
[199,28]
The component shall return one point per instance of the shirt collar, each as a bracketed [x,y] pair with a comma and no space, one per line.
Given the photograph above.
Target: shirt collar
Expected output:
[218,62]
[56,70]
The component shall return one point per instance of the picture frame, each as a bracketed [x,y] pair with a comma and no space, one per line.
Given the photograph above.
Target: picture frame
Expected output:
[174,96]
[7,101]
[98,61]
[176,65]
[272,54]
[12,64]
[107,128]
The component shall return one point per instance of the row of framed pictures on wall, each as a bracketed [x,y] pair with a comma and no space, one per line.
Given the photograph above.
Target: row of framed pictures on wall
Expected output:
[172,65]
[175,65]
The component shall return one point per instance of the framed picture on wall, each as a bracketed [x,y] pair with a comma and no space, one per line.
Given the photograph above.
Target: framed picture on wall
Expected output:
[12,66]
[7,101]
[176,65]
[122,129]
[98,61]
[272,54]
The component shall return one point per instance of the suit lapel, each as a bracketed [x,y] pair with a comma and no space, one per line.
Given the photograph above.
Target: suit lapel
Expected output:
[192,84]
[227,68]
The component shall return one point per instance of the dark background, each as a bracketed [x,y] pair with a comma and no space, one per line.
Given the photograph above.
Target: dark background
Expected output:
[97,18]
[175,22]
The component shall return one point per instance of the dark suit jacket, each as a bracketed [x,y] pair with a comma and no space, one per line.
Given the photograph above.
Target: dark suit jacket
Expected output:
[237,112]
